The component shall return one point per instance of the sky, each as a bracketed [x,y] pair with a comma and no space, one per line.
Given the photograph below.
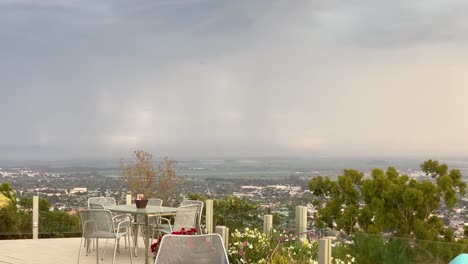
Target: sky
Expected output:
[233,78]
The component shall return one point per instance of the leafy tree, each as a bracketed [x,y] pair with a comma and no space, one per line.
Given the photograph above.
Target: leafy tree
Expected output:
[27,203]
[449,183]
[391,203]
[12,222]
[167,180]
[7,191]
[370,249]
[235,212]
[58,224]
[140,174]
[388,202]
[143,178]
[343,197]
[232,212]
[278,220]
[465,231]
[17,222]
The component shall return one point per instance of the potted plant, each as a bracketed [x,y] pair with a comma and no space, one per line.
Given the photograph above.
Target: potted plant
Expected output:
[140,176]
[141,201]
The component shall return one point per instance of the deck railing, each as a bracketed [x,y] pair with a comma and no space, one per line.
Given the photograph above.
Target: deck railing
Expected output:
[330,244]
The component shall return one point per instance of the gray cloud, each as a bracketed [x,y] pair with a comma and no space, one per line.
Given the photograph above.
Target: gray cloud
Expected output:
[84,78]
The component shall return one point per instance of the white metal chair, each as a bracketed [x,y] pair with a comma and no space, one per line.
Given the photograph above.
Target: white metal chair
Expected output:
[115,217]
[199,212]
[186,217]
[99,223]
[199,249]
[155,202]
[105,201]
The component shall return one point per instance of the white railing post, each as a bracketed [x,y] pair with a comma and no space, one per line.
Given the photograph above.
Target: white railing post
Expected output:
[324,251]
[301,221]
[224,233]
[129,198]
[209,216]
[35,219]
[267,224]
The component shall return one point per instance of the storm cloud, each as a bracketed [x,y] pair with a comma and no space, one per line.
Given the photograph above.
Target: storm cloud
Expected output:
[206,77]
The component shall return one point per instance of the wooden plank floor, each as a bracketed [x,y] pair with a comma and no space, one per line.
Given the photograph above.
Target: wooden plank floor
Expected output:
[61,250]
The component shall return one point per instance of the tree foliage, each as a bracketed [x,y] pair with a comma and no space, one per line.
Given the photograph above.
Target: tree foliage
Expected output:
[53,224]
[27,204]
[16,221]
[140,174]
[235,212]
[167,180]
[143,178]
[7,192]
[231,211]
[388,202]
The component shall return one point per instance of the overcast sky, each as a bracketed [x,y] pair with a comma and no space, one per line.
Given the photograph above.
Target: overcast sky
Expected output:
[217,77]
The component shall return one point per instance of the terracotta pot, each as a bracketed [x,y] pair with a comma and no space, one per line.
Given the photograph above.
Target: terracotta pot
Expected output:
[141,203]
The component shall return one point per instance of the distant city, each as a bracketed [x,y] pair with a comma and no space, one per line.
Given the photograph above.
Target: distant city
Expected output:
[276,183]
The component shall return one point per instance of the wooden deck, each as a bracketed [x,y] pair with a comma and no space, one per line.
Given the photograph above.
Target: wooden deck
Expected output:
[61,251]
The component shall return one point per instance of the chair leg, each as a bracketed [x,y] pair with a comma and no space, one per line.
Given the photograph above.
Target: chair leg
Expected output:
[135,241]
[118,245]
[97,250]
[129,249]
[87,241]
[79,252]
[105,247]
[115,250]
[90,244]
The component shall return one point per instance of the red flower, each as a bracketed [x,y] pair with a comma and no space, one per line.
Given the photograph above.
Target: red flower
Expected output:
[155,245]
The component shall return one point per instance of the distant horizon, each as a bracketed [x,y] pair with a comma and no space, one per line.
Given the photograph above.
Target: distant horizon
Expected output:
[42,153]
[182,158]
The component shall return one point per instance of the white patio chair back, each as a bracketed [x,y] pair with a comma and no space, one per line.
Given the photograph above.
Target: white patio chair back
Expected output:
[186,217]
[115,217]
[99,223]
[96,206]
[155,202]
[200,249]
[199,212]
[105,201]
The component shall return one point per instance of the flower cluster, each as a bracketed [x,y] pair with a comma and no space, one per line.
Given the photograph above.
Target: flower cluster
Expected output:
[347,260]
[253,246]
[155,246]
[300,252]
[250,246]
[190,232]
[183,231]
